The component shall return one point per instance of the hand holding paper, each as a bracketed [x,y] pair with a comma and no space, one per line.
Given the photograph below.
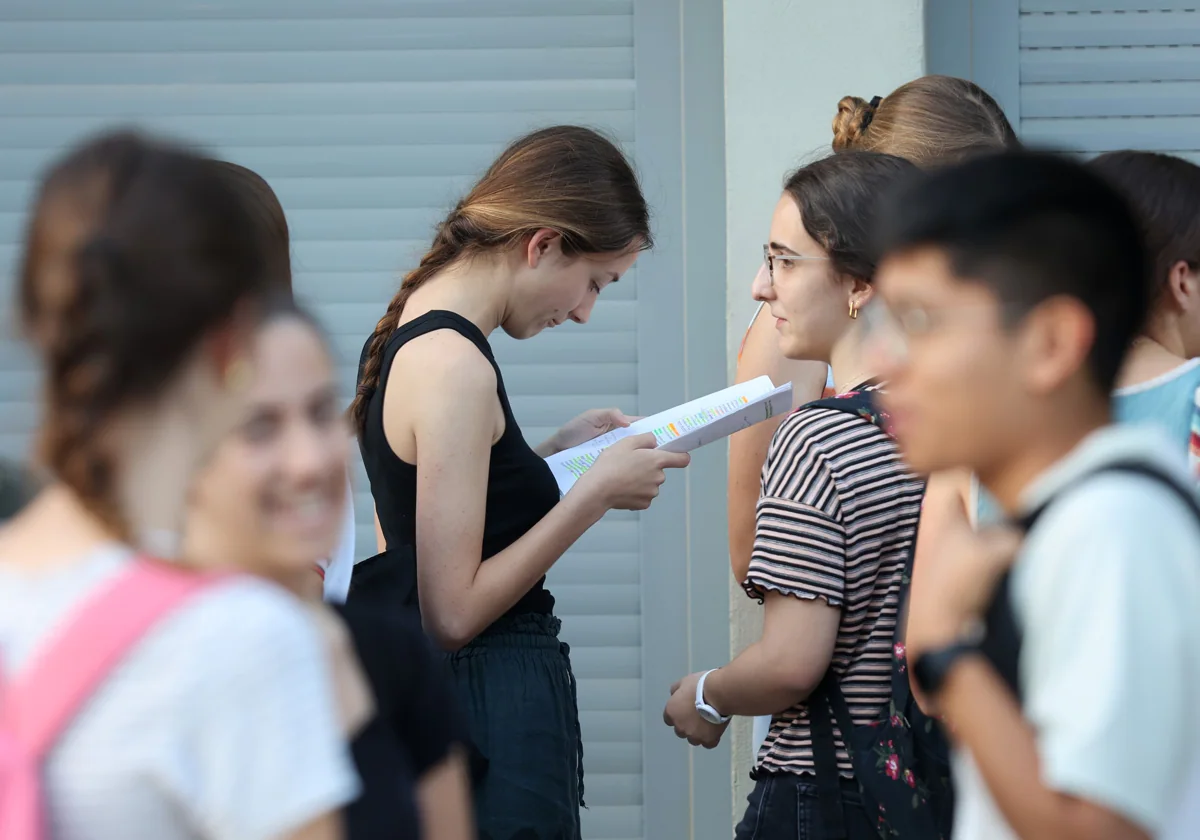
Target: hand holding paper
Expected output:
[585,427]
[685,427]
[627,475]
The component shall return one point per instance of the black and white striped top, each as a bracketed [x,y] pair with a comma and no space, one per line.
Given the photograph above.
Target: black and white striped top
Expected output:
[836,520]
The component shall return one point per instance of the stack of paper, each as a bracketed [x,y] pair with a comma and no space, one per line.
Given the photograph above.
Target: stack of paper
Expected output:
[685,427]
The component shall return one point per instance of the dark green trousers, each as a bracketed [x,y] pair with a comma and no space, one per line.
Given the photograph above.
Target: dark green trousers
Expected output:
[517,690]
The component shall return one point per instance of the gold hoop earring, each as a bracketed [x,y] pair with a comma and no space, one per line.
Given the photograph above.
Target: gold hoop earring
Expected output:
[853,311]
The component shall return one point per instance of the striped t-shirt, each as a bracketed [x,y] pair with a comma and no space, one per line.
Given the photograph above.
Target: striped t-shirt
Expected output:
[836,520]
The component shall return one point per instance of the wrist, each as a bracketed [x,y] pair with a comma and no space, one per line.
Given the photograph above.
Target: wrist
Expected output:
[709,710]
[549,447]
[584,503]
[713,695]
[943,654]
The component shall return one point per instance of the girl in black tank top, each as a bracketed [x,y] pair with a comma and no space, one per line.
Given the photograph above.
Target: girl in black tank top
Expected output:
[556,218]
[520,491]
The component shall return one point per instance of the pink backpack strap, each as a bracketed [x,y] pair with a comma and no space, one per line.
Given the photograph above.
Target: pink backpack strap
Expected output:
[40,702]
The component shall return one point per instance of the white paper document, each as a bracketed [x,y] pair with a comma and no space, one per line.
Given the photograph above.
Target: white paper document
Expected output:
[685,427]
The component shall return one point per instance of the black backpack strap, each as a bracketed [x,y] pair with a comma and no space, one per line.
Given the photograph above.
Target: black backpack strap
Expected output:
[1141,468]
[828,696]
[825,762]
[901,690]
[862,404]
[1002,642]
[859,403]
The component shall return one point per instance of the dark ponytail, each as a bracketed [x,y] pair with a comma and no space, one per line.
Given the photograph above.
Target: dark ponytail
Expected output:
[448,247]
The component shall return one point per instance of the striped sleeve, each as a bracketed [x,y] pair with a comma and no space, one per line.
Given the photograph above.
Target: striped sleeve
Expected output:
[800,541]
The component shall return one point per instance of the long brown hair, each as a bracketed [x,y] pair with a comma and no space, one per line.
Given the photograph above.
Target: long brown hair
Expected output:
[933,120]
[264,208]
[569,179]
[133,253]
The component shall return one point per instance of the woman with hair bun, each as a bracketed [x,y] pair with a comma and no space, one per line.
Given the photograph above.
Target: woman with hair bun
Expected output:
[138,283]
[930,121]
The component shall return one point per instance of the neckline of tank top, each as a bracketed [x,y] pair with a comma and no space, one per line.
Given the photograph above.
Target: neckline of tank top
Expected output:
[471,327]
[1162,379]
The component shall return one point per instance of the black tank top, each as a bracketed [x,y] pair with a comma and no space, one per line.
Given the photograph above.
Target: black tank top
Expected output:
[521,489]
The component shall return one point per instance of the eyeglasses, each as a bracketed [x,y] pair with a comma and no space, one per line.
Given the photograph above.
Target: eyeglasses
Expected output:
[771,258]
[892,329]
[909,322]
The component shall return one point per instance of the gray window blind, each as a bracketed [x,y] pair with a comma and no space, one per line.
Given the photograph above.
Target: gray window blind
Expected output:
[1099,75]
[369,118]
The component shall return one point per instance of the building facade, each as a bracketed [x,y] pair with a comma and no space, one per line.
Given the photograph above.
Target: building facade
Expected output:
[370,117]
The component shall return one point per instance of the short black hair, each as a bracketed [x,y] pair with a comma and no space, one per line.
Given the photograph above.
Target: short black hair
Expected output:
[1164,192]
[1031,226]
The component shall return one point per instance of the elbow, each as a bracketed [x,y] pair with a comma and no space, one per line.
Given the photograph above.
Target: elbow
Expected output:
[739,564]
[449,643]
[741,541]
[450,621]
[449,633]
[796,680]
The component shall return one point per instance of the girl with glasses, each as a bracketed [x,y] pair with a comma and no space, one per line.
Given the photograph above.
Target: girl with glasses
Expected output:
[835,526]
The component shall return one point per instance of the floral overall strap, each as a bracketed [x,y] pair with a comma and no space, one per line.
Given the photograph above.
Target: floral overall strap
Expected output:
[39,703]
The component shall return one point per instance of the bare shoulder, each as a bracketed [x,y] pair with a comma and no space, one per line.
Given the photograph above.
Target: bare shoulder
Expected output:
[444,362]
[440,387]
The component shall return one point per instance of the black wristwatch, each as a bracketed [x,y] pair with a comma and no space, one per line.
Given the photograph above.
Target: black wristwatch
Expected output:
[932,667]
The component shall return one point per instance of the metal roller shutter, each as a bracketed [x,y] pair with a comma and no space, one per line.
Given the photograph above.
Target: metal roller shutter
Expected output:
[369,118]
[1098,75]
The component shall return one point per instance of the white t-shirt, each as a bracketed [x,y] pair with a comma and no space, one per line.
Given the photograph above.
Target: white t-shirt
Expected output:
[1105,592]
[340,567]
[1186,818]
[220,723]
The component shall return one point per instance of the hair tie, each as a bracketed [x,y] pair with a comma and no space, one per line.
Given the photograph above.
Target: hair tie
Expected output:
[869,117]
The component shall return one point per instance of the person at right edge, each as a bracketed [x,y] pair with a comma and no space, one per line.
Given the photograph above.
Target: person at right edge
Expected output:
[469,514]
[1159,380]
[1066,663]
